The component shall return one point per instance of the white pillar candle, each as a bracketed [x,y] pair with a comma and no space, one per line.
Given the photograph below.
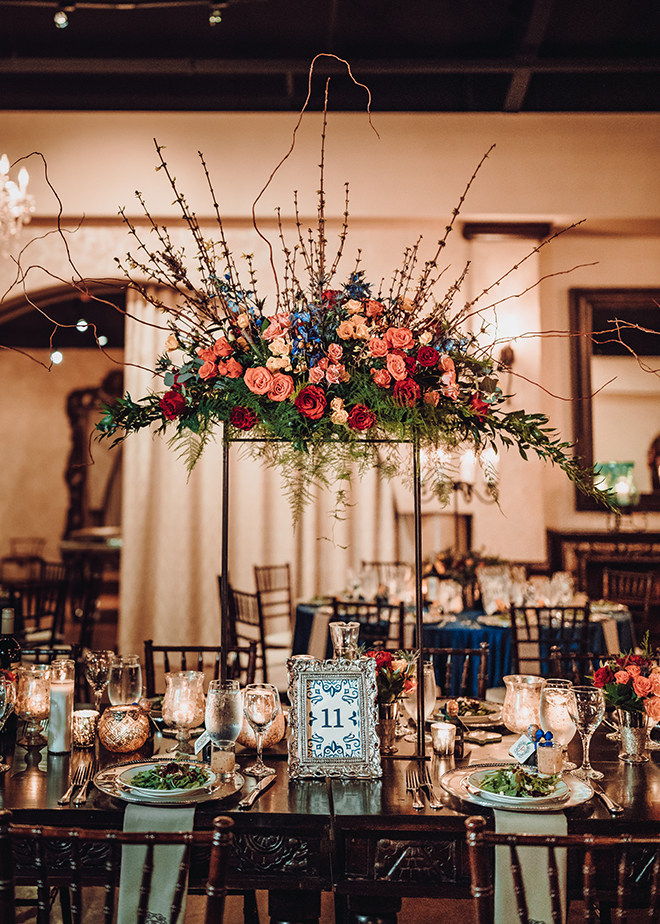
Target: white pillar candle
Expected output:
[61,706]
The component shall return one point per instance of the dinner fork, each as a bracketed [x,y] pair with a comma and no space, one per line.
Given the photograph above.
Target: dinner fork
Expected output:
[77,780]
[81,797]
[425,780]
[413,786]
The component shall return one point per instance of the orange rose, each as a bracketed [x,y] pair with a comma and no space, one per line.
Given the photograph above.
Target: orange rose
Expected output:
[222,347]
[281,387]
[622,677]
[258,380]
[432,397]
[377,347]
[208,356]
[208,371]
[335,352]
[634,670]
[642,686]
[396,366]
[381,377]
[234,368]
[373,308]
[655,683]
[399,338]
[316,375]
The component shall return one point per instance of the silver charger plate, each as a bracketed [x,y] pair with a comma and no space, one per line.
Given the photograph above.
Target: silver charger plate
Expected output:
[108,782]
[455,783]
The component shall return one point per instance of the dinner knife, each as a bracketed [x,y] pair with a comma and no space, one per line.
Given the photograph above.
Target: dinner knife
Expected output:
[261,786]
[613,807]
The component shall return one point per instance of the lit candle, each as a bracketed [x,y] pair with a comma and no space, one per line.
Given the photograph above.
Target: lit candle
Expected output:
[443,735]
[61,706]
[467,468]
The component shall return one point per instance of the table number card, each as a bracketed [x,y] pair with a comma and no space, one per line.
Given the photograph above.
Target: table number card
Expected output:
[333,719]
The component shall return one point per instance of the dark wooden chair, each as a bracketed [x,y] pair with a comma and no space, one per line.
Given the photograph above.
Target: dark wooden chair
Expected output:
[40,605]
[632,589]
[273,583]
[456,669]
[250,625]
[161,659]
[572,665]
[534,629]
[628,877]
[73,858]
[380,623]
[386,570]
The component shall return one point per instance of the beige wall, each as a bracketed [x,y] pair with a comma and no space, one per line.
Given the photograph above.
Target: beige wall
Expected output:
[556,168]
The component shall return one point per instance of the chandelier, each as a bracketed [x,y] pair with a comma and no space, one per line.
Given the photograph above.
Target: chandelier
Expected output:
[16,206]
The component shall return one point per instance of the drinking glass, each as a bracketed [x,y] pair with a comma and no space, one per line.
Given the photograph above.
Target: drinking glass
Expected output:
[125,681]
[97,673]
[430,692]
[7,701]
[224,710]
[554,717]
[261,703]
[586,707]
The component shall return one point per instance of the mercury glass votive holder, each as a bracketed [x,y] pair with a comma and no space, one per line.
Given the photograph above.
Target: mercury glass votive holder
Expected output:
[85,722]
[33,702]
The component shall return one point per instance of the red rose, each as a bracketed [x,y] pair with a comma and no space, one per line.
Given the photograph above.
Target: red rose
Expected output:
[242,418]
[382,658]
[172,404]
[602,676]
[427,356]
[311,402]
[479,406]
[407,392]
[361,418]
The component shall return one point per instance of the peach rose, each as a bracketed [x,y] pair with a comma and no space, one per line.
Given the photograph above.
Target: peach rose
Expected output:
[425,338]
[622,677]
[377,347]
[340,416]
[396,366]
[208,371]
[353,306]
[373,309]
[451,391]
[335,352]
[447,363]
[222,347]
[360,329]
[345,330]
[432,397]
[642,686]
[333,374]
[243,320]
[655,683]
[344,374]
[337,404]
[634,670]
[652,706]
[399,338]
[279,346]
[316,375]
[258,380]
[171,344]
[381,377]
[398,664]
[275,363]
[230,368]
[281,387]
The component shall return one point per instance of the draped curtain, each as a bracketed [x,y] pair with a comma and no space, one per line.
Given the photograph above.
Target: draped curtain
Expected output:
[172,522]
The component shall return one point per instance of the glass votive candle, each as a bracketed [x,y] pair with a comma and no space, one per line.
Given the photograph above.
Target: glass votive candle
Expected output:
[223,759]
[84,726]
[33,702]
[443,736]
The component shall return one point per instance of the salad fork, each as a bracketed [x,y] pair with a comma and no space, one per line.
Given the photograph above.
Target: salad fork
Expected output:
[81,796]
[426,783]
[413,786]
[77,780]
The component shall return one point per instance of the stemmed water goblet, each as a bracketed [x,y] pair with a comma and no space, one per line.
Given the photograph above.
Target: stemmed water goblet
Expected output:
[586,707]
[554,717]
[7,701]
[261,704]
[97,673]
[430,693]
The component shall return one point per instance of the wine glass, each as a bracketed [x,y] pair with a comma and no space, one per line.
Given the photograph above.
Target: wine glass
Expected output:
[97,673]
[125,680]
[430,693]
[7,701]
[586,707]
[261,703]
[224,710]
[554,717]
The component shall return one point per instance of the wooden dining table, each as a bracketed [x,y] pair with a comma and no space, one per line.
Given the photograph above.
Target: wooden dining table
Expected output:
[361,840]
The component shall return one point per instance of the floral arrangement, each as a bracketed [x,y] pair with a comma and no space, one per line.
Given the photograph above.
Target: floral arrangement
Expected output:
[396,674]
[335,376]
[631,682]
[460,568]
[7,674]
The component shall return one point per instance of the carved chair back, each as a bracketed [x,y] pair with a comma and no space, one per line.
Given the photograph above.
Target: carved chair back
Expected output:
[161,659]
[534,629]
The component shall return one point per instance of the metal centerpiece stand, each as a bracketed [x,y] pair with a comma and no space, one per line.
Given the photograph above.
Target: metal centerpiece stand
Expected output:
[420,751]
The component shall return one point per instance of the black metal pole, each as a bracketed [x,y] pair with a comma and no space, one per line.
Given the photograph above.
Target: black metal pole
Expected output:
[419,600]
[225,623]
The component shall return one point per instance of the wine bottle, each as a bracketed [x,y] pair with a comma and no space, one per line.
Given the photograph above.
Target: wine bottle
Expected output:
[10,650]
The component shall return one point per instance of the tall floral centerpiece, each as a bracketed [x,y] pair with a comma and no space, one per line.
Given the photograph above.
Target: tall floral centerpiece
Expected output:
[396,675]
[631,685]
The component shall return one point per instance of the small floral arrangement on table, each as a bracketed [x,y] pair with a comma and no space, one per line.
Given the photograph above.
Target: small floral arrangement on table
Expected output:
[7,674]
[396,674]
[631,682]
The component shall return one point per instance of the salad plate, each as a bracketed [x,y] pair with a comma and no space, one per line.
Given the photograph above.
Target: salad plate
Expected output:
[554,792]
[455,783]
[475,713]
[108,782]
[151,778]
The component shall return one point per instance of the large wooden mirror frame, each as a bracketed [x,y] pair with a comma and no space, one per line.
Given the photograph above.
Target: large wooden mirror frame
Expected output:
[630,305]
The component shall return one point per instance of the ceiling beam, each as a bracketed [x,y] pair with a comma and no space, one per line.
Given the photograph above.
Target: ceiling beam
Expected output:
[528,55]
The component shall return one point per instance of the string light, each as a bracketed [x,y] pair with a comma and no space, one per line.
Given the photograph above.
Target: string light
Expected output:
[61,19]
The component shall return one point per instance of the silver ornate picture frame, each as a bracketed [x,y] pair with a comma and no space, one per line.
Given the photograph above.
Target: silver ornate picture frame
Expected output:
[333,719]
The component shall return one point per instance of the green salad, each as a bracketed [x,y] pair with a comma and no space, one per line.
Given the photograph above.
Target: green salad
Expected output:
[472,707]
[170,776]
[516,781]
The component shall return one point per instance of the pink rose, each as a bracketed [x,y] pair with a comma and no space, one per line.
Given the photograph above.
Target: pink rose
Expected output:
[335,352]
[316,375]
[447,363]
[377,347]
[399,338]
[634,670]
[333,374]
[652,706]
[622,677]
[281,387]
[381,377]
[222,347]
[396,366]
[258,379]
[208,371]
[642,686]
[279,324]
[451,391]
